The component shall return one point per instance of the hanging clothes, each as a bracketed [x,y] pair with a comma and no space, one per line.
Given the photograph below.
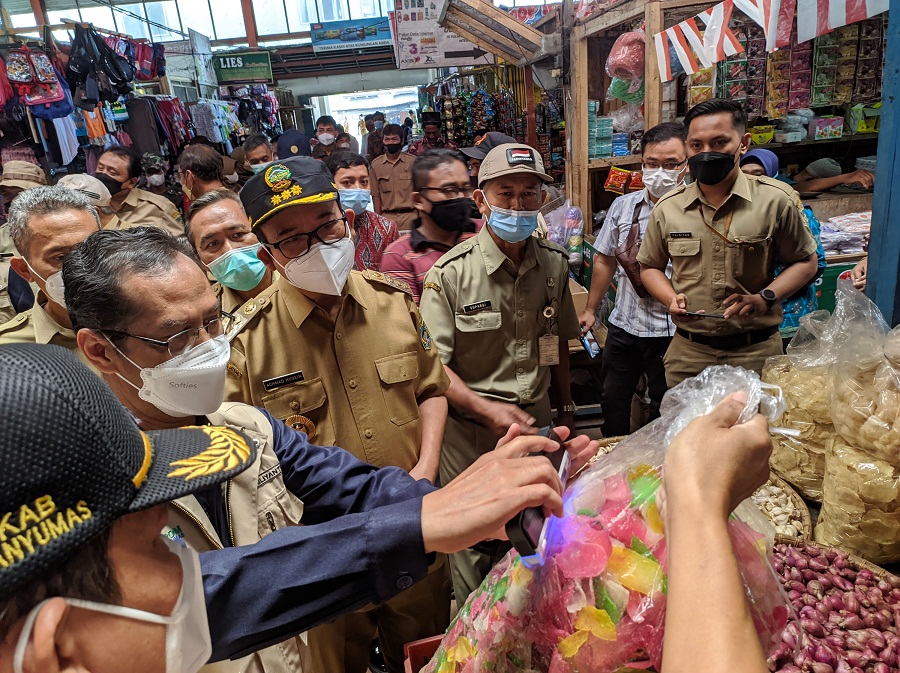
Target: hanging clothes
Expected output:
[68,142]
[142,126]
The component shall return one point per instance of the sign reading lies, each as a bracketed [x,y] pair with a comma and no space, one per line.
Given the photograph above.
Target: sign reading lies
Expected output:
[243,67]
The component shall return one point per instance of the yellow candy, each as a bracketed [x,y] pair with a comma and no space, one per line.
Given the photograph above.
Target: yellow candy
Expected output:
[652,517]
[634,571]
[568,647]
[521,575]
[596,621]
[642,470]
[462,651]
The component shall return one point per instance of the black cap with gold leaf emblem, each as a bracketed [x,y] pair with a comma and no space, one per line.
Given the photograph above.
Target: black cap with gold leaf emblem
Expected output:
[292,182]
[74,460]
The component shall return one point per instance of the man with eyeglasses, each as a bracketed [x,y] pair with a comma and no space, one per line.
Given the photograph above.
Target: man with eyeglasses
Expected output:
[640,328]
[45,223]
[344,356]
[501,314]
[148,320]
[443,199]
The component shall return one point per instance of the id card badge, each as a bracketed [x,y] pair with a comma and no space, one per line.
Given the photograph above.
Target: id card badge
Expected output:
[548,350]
[548,345]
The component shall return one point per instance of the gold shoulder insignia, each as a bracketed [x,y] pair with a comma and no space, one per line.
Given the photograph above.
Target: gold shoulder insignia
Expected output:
[234,371]
[387,280]
[432,286]
[227,451]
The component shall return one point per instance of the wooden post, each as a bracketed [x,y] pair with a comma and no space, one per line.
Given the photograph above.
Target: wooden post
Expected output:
[249,22]
[40,13]
[578,174]
[530,122]
[884,247]
[653,20]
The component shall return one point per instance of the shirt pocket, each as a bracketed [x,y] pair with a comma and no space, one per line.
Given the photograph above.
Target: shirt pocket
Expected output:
[687,263]
[305,398]
[279,510]
[398,374]
[483,321]
[384,185]
[751,262]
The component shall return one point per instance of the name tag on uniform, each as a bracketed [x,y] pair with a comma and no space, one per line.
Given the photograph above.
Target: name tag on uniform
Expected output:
[477,306]
[680,234]
[268,476]
[279,381]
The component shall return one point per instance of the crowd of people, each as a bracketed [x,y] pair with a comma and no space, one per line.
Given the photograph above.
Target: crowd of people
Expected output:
[188,362]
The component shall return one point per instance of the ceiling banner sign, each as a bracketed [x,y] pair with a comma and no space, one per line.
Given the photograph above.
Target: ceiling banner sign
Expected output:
[243,67]
[355,34]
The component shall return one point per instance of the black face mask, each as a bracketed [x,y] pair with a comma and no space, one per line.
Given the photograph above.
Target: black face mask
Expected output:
[710,168]
[393,148]
[113,185]
[452,214]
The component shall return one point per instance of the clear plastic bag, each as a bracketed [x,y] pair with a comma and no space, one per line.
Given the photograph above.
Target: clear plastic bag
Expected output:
[627,118]
[565,226]
[598,602]
[861,507]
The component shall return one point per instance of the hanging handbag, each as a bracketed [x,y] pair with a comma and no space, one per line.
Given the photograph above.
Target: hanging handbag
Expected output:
[626,255]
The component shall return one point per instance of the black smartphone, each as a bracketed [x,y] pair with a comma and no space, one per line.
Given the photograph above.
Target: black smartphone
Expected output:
[590,345]
[527,531]
[705,315]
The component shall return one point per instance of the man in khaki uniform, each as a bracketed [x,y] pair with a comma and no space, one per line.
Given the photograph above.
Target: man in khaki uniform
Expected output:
[345,357]
[391,181]
[45,223]
[501,314]
[219,231]
[723,234]
[119,168]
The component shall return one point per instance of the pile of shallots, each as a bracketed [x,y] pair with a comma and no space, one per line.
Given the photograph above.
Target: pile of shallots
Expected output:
[849,619]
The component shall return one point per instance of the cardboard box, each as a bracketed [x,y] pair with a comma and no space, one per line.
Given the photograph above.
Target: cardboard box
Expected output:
[864,118]
[828,127]
[579,299]
[789,136]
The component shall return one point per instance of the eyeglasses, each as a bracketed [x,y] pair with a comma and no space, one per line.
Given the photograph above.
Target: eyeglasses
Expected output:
[669,166]
[299,244]
[451,192]
[180,343]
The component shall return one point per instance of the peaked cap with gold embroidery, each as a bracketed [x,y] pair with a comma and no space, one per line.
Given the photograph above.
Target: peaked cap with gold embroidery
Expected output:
[74,460]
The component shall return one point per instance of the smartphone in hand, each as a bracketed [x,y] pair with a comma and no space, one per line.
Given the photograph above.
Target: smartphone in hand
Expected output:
[528,529]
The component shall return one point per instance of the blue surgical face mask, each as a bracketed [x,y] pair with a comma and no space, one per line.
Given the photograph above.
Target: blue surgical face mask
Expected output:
[513,226]
[239,268]
[356,200]
[379,125]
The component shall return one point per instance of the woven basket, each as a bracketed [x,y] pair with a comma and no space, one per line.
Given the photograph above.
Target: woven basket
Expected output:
[856,561]
[607,444]
[800,506]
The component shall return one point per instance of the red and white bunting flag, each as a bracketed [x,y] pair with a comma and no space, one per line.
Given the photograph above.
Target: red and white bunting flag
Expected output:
[817,17]
[661,43]
[695,38]
[718,39]
[682,49]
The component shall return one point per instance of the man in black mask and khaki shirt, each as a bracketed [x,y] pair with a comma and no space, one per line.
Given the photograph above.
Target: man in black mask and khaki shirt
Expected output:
[724,233]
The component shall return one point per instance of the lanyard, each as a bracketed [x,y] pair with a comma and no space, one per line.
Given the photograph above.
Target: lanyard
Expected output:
[728,219]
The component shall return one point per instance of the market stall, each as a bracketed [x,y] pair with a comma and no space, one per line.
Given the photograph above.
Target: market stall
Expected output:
[807,100]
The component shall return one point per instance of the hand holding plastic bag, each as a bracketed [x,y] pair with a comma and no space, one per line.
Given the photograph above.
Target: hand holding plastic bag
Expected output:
[598,602]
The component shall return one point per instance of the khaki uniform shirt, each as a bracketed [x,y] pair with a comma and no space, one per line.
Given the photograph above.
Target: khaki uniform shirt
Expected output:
[35,326]
[717,252]
[7,310]
[116,223]
[355,382]
[142,208]
[486,317]
[392,183]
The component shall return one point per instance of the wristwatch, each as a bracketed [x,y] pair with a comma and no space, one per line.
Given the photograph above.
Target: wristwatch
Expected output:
[769,297]
[567,409]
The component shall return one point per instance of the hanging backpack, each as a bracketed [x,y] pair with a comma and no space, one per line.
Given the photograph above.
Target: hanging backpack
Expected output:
[6,91]
[159,60]
[143,61]
[58,109]
[34,77]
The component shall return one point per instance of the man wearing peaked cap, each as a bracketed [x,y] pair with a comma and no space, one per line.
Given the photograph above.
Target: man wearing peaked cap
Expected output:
[354,367]
[148,320]
[501,313]
[86,580]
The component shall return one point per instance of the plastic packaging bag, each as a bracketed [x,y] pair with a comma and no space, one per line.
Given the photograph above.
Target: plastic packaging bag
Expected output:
[861,506]
[565,226]
[598,602]
[628,91]
[628,118]
[626,57]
